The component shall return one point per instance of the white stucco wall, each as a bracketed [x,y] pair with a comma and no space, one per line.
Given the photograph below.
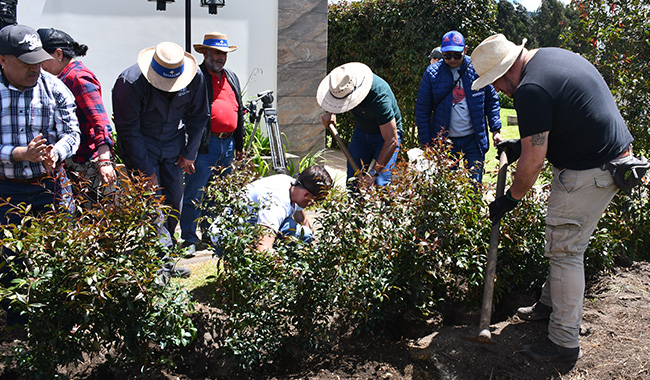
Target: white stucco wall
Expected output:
[116,30]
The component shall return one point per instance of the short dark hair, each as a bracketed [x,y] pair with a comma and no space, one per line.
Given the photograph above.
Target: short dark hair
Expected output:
[316,180]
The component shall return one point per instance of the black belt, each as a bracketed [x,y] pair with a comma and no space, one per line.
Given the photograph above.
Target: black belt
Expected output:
[221,135]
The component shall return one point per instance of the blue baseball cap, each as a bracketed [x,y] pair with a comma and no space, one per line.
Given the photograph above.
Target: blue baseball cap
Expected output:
[453,41]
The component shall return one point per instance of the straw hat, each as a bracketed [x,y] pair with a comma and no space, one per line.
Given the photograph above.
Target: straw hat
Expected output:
[492,58]
[167,66]
[214,40]
[344,87]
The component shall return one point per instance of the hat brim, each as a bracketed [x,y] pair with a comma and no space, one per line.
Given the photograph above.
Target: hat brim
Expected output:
[200,48]
[167,84]
[35,57]
[452,48]
[334,105]
[499,70]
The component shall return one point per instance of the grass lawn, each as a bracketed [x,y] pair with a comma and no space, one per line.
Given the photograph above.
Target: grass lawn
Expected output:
[201,273]
[507,132]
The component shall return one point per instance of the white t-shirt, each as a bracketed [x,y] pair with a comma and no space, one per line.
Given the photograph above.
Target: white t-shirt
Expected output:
[272,195]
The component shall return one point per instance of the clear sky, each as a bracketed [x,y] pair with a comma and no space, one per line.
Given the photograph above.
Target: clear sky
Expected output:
[530,5]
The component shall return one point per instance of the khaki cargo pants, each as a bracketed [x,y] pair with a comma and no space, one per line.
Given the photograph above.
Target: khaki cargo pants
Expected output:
[578,199]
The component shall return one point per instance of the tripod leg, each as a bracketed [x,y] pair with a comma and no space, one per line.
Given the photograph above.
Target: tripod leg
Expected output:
[277,150]
[257,124]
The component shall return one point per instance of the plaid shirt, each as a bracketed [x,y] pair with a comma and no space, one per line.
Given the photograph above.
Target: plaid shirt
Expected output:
[93,121]
[47,108]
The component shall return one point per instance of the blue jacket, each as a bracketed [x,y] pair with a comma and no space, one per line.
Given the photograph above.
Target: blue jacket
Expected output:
[436,83]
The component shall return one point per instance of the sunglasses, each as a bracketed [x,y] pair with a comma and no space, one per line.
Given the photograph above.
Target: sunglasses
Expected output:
[454,55]
[316,197]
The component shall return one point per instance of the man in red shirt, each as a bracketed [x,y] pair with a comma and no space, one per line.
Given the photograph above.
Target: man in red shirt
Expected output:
[223,136]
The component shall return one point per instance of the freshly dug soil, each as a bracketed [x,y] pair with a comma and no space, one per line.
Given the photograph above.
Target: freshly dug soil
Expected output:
[615,337]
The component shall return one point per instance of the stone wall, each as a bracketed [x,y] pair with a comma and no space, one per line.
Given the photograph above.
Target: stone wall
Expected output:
[302,64]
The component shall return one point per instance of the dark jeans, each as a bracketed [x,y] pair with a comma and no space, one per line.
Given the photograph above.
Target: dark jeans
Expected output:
[41,198]
[364,147]
[474,158]
[222,153]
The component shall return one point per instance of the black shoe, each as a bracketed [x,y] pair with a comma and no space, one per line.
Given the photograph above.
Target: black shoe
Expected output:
[176,271]
[203,246]
[548,351]
[537,312]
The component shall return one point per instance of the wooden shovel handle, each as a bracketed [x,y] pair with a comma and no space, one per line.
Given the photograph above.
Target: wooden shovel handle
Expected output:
[343,147]
[490,271]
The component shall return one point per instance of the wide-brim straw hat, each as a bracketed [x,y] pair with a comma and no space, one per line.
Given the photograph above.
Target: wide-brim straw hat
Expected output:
[216,41]
[167,66]
[344,87]
[493,57]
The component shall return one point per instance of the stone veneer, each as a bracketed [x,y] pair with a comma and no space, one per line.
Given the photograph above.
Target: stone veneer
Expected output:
[302,64]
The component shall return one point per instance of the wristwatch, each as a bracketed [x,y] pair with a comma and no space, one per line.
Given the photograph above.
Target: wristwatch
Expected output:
[372,172]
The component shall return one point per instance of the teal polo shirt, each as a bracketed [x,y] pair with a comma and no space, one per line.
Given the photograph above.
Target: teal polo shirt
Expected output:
[378,108]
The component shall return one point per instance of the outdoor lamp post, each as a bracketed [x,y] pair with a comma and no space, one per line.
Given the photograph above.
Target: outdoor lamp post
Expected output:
[161,5]
[213,5]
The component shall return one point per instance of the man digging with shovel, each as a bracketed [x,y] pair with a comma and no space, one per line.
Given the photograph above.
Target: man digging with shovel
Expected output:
[567,115]
[378,121]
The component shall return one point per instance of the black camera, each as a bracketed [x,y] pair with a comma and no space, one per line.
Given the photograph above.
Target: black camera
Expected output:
[8,12]
[267,98]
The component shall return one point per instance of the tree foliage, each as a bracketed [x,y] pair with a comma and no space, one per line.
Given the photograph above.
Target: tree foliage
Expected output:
[613,35]
[513,21]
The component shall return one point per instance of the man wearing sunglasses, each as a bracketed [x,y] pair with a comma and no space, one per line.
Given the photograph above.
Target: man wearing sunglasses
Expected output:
[448,107]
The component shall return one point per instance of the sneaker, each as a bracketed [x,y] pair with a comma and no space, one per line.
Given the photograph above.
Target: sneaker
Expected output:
[176,271]
[537,312]
[188,249]
[548,351]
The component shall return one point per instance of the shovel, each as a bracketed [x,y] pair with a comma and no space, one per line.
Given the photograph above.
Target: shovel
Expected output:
[343,147]
[484,335]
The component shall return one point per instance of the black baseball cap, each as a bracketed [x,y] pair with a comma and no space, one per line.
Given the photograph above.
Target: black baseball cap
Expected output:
[53,39]
[436,53]
[24,43]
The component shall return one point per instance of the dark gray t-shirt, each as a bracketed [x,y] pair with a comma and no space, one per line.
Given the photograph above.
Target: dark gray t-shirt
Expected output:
[562,93]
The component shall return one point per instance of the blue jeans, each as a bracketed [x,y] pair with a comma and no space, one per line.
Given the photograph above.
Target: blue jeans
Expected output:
[474,158]
[364,147]
[290,228]
[221,154]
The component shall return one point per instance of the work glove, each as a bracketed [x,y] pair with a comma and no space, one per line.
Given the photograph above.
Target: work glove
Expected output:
[512,148]
[501,205]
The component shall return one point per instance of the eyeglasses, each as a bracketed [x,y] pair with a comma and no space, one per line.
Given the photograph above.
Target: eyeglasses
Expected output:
[454,55]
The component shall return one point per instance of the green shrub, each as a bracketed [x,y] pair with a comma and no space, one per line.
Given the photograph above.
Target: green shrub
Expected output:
[91,284]
[271,303]
[382,253]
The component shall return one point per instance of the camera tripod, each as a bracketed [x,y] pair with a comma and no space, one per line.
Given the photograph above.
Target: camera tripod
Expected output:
[278,158]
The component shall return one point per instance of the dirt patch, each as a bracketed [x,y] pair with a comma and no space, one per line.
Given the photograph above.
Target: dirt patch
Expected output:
[615,337]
